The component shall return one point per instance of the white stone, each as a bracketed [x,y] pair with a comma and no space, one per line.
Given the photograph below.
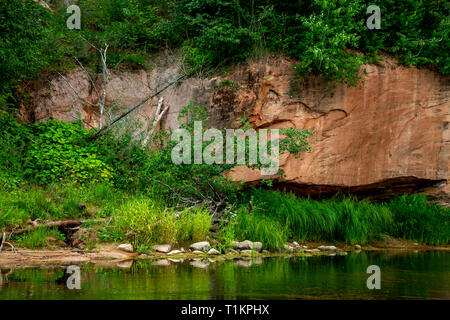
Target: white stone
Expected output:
[127,247]
[327,248]
[174,252]
[257,246]
[244,245]
[201,246]
[213,251]
[164,248]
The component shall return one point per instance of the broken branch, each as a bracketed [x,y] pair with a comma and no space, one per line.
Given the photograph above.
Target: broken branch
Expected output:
[123,115]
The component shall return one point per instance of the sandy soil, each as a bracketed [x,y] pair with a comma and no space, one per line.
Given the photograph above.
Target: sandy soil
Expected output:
[101,254]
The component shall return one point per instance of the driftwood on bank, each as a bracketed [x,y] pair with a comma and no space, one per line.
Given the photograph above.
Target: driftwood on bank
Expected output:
[52,224]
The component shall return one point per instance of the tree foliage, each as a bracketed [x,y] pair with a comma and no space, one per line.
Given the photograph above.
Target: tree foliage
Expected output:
[323,35]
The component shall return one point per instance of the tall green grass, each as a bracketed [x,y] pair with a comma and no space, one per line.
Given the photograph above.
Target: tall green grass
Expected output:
[276,217]
[246,226]
[343,218]
[38,238]
[146,222]
[330,220]
[418,220]
[260,228]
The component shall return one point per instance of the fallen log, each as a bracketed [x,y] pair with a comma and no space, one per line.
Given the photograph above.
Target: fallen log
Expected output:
[50,224]
[53,224]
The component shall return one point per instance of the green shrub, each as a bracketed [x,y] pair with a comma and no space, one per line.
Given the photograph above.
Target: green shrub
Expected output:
[322,35]
[59,152]
[14,139]
[27,35]
[331,29]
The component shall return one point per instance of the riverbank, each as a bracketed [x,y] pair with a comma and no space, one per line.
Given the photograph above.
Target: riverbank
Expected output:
[405,274]
[138,195]
[108,254]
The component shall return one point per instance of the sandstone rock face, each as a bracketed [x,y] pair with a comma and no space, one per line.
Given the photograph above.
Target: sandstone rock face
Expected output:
[55,97]
[389,135]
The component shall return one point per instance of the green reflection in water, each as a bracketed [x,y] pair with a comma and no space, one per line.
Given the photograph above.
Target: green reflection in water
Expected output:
[409,275]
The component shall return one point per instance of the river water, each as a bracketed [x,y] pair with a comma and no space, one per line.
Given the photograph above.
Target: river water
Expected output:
[404,275]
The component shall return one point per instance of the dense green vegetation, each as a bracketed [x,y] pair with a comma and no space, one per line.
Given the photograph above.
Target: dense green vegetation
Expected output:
[39,238]
[278,217]
[49,169]
[322,35]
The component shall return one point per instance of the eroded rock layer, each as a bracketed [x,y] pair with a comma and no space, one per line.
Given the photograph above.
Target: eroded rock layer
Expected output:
[389,135]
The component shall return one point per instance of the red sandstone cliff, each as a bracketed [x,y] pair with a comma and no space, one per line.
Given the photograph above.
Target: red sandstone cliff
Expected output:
[389,135]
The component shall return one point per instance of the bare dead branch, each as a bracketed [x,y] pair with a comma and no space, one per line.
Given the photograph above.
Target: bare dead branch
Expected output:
[157,119]
[90,78]
[123,115]
[76,92]
[53,224]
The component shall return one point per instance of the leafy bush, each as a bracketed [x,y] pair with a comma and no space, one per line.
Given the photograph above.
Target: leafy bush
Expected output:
[321,34]
[59,152]
[48,152]
[14,139]
[27,33]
